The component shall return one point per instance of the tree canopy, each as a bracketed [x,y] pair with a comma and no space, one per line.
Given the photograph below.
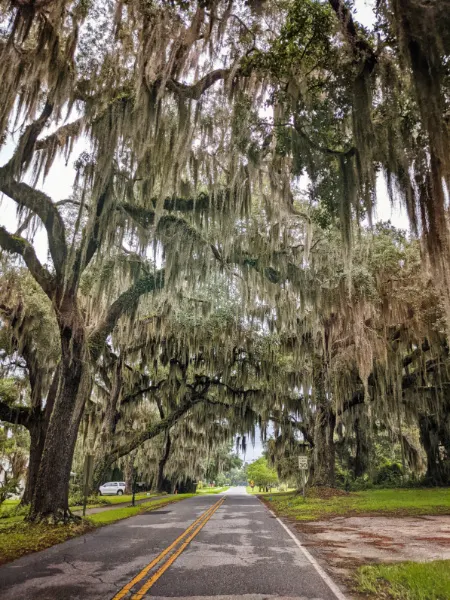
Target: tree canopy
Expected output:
[216,270]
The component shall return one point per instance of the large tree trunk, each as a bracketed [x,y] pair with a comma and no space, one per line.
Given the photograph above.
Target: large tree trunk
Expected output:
[38,432]
[162,464]
[324,453]
[51,497]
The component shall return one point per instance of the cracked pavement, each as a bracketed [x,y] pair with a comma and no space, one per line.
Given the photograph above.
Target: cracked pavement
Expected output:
[242,552]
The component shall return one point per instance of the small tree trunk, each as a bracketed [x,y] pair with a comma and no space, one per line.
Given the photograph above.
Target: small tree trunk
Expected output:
[103,442]
[128,474]
[162,464]
[101,469]
[324,454]
[429,437]
[324,448]
[362,447]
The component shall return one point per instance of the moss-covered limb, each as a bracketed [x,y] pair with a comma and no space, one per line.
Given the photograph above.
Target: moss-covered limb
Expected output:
[330,151]
[163,425]
[409,380]
[23,153]
[89,246]
[203,202]
[20,246]
[17,415]
[237,392]
[139,392]
[60,136]
[197,89]
[128,299]
[361,48]
[43,207]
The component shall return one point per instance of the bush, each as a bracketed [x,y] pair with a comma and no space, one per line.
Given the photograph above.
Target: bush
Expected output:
[8,488]
[77,499]
[389,475]
[17,510]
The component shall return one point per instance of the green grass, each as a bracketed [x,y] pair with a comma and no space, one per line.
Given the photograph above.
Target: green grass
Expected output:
[18,537]
[406,581]
[111,500]
[396,502]
[7,508]
[217,490]
[125,498]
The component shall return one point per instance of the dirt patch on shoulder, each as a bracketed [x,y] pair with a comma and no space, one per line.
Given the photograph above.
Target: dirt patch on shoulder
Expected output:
[365,539]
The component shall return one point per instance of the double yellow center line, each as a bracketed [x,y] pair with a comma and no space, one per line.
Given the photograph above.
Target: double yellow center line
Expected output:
[169,555]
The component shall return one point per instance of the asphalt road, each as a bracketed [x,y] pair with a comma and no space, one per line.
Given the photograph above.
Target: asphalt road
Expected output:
[235,549]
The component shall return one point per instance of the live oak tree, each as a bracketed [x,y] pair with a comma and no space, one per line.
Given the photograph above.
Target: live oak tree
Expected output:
[184,175]
[131,128]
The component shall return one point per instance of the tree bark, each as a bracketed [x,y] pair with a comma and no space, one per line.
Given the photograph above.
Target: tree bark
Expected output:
[324,454]
[438,470]
[51,496]
[162,464]
[128,472]
[362,458]
[38,432]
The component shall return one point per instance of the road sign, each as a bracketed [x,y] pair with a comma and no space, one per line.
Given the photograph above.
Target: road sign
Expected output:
[303,463]
[252,484]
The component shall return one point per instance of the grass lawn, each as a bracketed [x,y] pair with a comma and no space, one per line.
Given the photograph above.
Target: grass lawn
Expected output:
[216,490]
[396,502]
[110,500]
[406,581]
[18,538]
[9,505]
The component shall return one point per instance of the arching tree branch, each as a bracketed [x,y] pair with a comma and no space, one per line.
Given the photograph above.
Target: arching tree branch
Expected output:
[195,90]
[43,207]
[146,284]
[20,246]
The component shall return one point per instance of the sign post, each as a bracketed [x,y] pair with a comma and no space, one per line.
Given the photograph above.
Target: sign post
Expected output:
[303,466]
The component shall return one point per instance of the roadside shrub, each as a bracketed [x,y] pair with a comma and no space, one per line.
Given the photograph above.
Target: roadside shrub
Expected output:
[389,475]
[8,488]
[77,499]
[14,511]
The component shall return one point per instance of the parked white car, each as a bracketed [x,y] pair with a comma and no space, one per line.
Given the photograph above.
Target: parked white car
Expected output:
[112,488]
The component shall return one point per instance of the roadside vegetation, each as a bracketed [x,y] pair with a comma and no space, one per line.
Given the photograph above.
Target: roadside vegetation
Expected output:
[211,268]
[9,508]
[323,503]
[406,581]
[213,490]
[19,537]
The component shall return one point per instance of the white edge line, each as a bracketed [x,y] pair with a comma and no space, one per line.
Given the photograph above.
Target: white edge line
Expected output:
[330,583]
